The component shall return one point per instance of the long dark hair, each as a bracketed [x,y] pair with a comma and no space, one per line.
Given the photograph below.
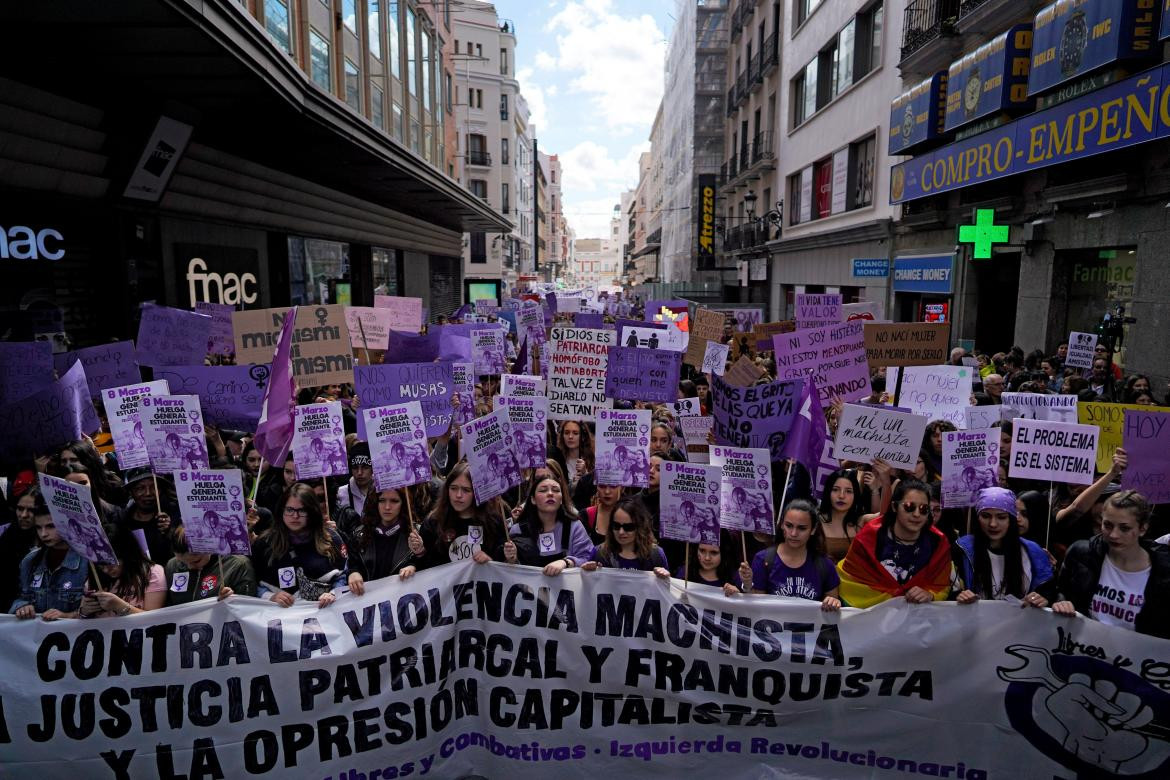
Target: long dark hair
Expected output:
[1013,562]
[904,487]
[488,515]
[727,560]
[131,583]
[1036,508]
[644,541]
[105,484]
[816,540]
[853,515]
[371,519]
[280,540]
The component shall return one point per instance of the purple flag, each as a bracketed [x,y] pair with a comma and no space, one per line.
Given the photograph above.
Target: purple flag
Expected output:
[455,341]
[521,364]
[172,337]
[551,300]
[275,431]
[51,417]
[25,367]
[408,348]
[461,312]
[809,432]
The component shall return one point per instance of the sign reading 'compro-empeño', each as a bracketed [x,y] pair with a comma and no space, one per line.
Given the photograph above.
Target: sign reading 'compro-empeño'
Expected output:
[1130,112]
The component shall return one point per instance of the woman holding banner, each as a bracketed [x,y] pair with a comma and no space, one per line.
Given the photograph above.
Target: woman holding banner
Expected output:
[458,528]
[298,557]
[797,566]
[900,553]
[384,543]
[133,584]
[548,533]
[629,542]
[712,564]
[995,563]
[193,576]
[841,512]
[1117,577]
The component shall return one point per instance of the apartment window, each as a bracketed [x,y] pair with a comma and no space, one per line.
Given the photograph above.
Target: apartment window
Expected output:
[804,92]
[319,60]
[504,61]
[411,53]
[870,23]
[862,156]
[503,151]
[376,111]
[352,90]
[426,71]
[470,49]
[478,247]
[396,120]
[277,23]
[349,14]
[375,24]
[503,108]
[477,149]
[843,67]
[392,39]
[478,98]
[505,201]
[448,93]
[804,9]
[822,188]
[479,50]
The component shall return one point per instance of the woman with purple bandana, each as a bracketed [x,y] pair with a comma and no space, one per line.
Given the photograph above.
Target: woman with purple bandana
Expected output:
[995,563]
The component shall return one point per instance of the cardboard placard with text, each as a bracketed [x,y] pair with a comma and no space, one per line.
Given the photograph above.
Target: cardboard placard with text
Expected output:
[321,350]
[706,326]
[907,343]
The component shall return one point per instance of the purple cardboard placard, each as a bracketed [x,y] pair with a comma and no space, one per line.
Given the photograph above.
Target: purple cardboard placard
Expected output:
[106,365]
[431,384]
[407,348]
[172,337]
[487,441]
[589,319]
[398,445]
[816,310]
[25,367]
[1146,438]
[230,396]
[833,354]
[319,441]
[754,417]
[221,340]
[211,502]
[637,374]
[51,417]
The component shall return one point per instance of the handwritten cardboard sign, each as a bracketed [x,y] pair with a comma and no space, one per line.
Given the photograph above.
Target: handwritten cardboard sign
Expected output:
[868,432]
[833,355]
[321,351]
[907,343]
[815,310]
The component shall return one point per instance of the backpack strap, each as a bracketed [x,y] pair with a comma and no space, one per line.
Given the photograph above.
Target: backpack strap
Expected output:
[769,560]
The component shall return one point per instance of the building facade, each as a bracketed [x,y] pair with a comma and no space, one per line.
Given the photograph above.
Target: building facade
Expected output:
[597,261]
[1008,116]
[494,160]
[301,164]
[558,241]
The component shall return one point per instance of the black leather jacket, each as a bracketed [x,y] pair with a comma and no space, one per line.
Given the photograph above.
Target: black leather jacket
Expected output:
[1082,570]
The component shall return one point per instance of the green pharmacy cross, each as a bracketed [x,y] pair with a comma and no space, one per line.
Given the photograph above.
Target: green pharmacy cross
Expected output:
[984,233]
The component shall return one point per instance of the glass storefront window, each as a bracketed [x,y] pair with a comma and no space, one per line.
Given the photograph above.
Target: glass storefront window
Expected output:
[385,270]
[318,271]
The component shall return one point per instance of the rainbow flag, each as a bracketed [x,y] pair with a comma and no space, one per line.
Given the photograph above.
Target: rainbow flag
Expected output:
[865,582]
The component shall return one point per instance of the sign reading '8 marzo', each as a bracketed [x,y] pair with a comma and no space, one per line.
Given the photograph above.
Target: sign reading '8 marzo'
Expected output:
[1133,111]
[498,671]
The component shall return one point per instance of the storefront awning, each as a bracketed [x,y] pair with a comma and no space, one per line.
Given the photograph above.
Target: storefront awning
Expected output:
[209,64]
[649,249]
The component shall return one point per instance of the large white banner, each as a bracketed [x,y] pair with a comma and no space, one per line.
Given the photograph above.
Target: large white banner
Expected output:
[498,671]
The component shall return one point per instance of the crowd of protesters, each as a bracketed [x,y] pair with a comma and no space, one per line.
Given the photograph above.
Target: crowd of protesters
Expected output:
[868,533]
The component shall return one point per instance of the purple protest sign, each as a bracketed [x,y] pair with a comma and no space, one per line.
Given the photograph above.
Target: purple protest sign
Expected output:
[432,384]
[490,456]
[817,310]
[455,341]
[106,365]
[231,396]
[970,462]
[221,339]
[77,520]
[406,314]
[319,441]
[527,416]
[122,414]
[637,374]
[690,502]
[1146,438]
[588,319]
[759,416]
[25,367]
[745,488]
[406,348]
[463,379]
[487,349]
[530,324]
[211,502]
[398,445]
[172,337]
[48,418]
[834,355]
[623,448]
[173,428]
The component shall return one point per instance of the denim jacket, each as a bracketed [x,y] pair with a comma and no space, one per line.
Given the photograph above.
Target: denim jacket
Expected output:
[61,589]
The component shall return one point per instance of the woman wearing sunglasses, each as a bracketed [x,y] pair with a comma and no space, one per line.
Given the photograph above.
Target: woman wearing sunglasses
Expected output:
[996,563]
[900,553]
[629,542]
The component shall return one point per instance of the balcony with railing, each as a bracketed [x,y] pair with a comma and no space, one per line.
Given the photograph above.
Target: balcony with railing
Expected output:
[755,77]
[741,87]
[737,20]
[770,56]
[926,21]
[750,235]
[731,102]
[479,157]
[763,152]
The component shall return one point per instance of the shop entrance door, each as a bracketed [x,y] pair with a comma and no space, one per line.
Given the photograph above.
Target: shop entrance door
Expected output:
[998,287]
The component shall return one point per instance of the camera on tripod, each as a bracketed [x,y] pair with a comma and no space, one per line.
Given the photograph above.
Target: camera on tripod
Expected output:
[1111,328]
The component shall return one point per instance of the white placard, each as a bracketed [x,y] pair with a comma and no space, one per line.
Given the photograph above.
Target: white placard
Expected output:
[868,432]
[1053,451]
[1081,348]
[936,392]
